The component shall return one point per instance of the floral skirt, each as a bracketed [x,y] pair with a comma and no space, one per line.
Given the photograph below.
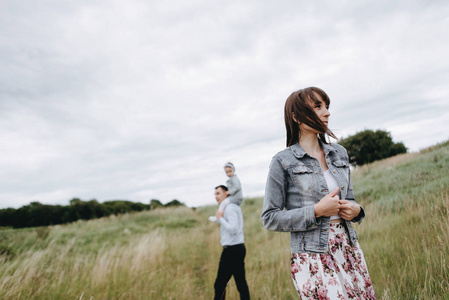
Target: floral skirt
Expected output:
[341,273]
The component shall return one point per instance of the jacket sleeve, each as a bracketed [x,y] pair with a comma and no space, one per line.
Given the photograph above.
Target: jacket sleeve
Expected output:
[350,197]
[350,194]
[274,215]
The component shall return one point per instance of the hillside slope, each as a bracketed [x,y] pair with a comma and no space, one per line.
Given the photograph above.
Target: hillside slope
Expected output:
[406,234]
[173,253]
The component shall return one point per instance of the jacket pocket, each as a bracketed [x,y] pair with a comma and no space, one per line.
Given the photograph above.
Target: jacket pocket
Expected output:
[340,163]
[303,178]
[342,168]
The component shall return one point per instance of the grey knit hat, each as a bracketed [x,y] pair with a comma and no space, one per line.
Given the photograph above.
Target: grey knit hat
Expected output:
[229,164]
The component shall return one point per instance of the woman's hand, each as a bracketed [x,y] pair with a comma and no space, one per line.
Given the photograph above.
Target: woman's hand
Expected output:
[348,210]
[328,205]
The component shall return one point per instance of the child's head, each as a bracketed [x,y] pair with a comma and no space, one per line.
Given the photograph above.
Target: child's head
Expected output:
[229,169]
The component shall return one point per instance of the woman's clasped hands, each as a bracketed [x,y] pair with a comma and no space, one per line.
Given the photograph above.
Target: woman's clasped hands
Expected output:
[331,205]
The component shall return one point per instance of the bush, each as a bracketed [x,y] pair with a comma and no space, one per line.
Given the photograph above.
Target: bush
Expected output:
[155,204]
[368,146]
[174,202]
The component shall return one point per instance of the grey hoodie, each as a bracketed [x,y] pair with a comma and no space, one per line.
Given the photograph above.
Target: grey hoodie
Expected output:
[235,190]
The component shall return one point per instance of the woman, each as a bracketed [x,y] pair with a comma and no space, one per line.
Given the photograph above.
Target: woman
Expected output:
[309,193]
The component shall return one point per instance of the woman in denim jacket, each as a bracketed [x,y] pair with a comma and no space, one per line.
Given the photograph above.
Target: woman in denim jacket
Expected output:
[309,193]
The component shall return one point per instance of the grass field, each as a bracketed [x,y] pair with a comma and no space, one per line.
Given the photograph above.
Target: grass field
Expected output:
[173,253]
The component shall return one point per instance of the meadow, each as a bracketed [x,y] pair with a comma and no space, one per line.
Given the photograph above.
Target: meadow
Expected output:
[173,253]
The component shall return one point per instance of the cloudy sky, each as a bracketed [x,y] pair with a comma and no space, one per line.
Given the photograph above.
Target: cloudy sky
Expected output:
[142,99]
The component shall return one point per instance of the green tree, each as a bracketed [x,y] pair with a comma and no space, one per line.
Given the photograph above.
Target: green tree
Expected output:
[75,201]
[7,216]
[154,203]
[368,146]
[174,202]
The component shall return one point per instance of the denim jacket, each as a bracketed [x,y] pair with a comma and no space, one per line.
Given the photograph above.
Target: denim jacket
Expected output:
[295,183]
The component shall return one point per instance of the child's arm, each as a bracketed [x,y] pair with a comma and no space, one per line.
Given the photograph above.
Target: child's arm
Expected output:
[221,208]
[223,204]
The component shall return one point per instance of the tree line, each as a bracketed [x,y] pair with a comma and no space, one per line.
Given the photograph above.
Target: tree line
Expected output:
[36,214]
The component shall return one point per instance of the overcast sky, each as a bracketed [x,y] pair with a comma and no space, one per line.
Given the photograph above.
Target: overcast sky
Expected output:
[141,100]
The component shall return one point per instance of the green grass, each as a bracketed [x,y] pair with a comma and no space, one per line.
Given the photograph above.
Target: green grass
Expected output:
[405,236]
[173,253]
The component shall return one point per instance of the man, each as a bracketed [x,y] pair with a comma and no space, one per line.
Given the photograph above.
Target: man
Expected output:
[234,251]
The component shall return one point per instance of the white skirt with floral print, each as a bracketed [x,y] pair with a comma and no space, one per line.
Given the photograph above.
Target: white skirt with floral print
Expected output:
[339,274]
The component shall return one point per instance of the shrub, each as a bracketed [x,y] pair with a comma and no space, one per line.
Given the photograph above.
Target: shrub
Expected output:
[368,146]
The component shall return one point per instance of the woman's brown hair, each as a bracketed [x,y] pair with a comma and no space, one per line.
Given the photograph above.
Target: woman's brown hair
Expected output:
[300,105]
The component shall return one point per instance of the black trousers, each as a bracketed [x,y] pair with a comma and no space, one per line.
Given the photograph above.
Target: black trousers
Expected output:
[232,262]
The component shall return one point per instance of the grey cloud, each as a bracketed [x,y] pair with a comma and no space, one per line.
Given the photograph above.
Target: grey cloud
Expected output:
[148,100]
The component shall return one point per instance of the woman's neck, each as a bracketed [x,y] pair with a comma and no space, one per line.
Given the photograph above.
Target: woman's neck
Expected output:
[310,144]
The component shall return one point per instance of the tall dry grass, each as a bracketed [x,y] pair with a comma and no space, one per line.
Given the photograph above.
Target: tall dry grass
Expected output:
[173,253]
[406,234]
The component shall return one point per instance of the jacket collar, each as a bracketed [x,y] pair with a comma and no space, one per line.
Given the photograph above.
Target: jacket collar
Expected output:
[299,152]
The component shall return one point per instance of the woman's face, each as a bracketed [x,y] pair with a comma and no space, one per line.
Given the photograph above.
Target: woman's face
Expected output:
[321,110]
